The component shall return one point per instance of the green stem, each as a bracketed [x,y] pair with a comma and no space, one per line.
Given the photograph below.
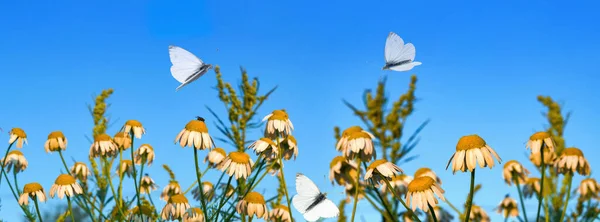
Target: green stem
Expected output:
[198,179]
[564,210]
[452,206]
[402,201]
[516,180]
[70,208]
[16,183]
[37,208]
[470,200]
[357,188]
[6,154]
[77,201]
[195,182]
[543,163]
[25,210]
[221,203]
[432,213]
[546,211]
[280,159]
[386,215]
[112,188]
[137,189]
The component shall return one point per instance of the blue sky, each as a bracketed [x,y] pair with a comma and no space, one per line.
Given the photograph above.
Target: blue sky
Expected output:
[483,66]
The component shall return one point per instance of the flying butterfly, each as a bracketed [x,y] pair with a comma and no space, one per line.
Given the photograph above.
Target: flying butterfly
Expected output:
[311,202]
[398,56]
[186,66]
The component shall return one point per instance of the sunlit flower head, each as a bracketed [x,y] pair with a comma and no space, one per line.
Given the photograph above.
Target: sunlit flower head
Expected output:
[470,151]
[253,204]
[18,135]
[381,170]
[33,191]
[531,186]
[589,188]
[275,167]
[125,167]
[56,141]
[15,160]
[360,144]
[193,215]
[572,160]
[289,147]
[238,163]
[215,157]
[350,190]
[513,170]
[265,147]
[103,146]
[146,214]
[479,214]
[176,206]
[144,154]
[134,127]
[65,184]
[207,188]
[171,189]
[80,170]
[195,134]
[147,185]
[399,182]
[278,124]
[537,140]
[342,171]
[123,140]
[549,158]
[280,213]
[508,207]
[421,192]
[342,143]
[424,171]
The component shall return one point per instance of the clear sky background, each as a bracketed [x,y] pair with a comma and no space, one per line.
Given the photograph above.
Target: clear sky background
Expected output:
[483,66]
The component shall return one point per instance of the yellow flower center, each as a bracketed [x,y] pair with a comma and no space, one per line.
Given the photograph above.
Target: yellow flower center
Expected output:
[269,141]
[351,130]
[279,115]
[64,180]
[360,134]
[174,185]
[376,163]
[177,199]
[133,123]
[511,163]
[32,187]
[220,151]
[15,152]
[19,132]
[283,207]
[196,211]
[422,171]
[126,162]
[470,142]
[420,184]
[206,183]
[336,160]
[102,137]
[254,197]
[196,126]
[56,135]
[239,157]
[80,164]
[572,151]
[539,136]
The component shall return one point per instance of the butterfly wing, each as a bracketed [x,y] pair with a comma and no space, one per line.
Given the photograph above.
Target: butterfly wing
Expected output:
[307,193]
[325,209]
[185,64]
[396,51]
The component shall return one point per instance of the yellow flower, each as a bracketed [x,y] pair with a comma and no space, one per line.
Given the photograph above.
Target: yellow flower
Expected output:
[144,154]
[103,146]
[56,141]
[572,160]
[194,215]
[424,171]
[195,134]
[589,188]
[266,147]
[421,192]
[123,140]
[280,213]
[215,157]
[382,170]
[289,147]
[342,143]
[253,204]
[134,127]
[207,188]
[65,184]
[471,150]
[238,163]
[532,186]
[14,160]
[340,171]
[350,190]
[125,167]
[478,214]
[508,207]
[398,182]
[146,214]
[171,189]
[175,208]
[80,170]
[537,140]
[360,144]
[549,158]
[147,185]
[18,135]
[514,168]
[278,123]
[33,191]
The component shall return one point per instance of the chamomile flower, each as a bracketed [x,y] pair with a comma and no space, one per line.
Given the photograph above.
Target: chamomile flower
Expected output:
[289,147]
[278,124]
[253,204]
[537,140]
[280,213]
[470,151]
[513,170]
[360,144]
[478,214]
[175,208]
[123,140]
[65,185]
[265,147]
[194,215]
[381,170]
[134,127]
[207,188]
[572,160]
[146,214]
[56,141]
[17,135]
[15,160]
[421,192]
[125,168]
[589,188]
[80,170]
[147,185]
[549,158]
[103,146]
[340,169]
[33,191]
[195,134]
[215,157]
[342,143]
[144,154]
[508,207]
[238,163]
[171,189]
[532,186]
[424,171]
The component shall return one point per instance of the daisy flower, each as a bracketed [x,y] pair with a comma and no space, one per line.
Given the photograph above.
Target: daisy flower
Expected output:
[471,150]
[56,141]
[513,170]
[572,160]
[146,214]
[238,163]
[215,157]
[35,191]
[80,170]
[103,146]
[15,160]
[508,207]
[123,140]
[424,171]
[17,135]
[134,127]
[171,189]
[265,147]
[144,154]
[65,185]
[278,123]
[589,188]
[175,208]
[253,204]
[195,134]
[381,170]
[194,215]
[340,171]
[537,140]
[147,185]
[421,192]
[280,213]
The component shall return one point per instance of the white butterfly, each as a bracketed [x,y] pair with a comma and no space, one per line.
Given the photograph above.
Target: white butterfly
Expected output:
[311,202]
[398,56]
[186,66]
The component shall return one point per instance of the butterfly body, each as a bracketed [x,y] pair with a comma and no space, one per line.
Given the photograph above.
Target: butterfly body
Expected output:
[399,56]
[311,202]
[186,66]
